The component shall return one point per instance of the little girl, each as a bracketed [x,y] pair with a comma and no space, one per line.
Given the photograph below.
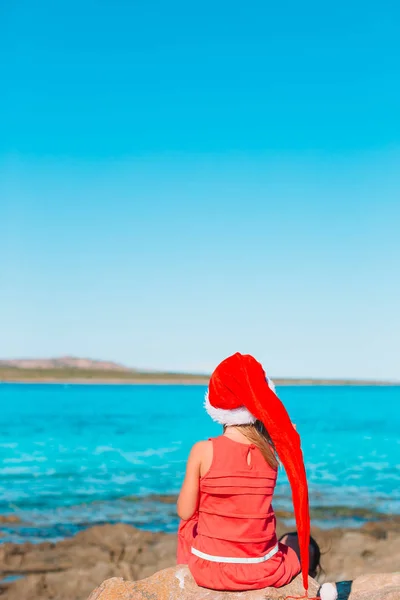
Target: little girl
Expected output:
[227,532]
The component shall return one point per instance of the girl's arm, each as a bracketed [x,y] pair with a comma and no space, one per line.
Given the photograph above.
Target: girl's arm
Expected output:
[189,496]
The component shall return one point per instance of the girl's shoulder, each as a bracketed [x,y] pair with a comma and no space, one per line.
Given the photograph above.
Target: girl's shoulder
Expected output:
[202,453]
[202,447]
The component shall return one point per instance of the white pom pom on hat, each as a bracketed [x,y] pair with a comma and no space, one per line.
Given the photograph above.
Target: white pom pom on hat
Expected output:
[328,591]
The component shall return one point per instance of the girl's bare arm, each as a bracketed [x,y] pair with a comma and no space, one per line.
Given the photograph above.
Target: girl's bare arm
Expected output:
[189,495]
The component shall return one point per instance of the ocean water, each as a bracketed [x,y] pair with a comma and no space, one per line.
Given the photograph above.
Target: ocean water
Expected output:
[77,455]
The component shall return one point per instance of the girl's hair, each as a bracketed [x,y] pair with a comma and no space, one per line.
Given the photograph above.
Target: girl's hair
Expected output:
[258,435]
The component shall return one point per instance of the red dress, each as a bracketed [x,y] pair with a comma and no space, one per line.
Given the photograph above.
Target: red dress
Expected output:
[236,521]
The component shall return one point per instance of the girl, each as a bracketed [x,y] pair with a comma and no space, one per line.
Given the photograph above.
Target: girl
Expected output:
[227,532]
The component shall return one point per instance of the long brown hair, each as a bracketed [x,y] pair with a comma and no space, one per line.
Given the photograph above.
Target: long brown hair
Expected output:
[258,435]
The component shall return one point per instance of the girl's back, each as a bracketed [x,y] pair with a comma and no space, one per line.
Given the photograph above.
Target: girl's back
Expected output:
[235,499]
[230,543]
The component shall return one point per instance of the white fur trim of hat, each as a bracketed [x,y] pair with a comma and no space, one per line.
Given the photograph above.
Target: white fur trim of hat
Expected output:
[234,416]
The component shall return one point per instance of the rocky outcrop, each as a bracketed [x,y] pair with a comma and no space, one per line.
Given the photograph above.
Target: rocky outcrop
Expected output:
[9,519]
[71,569]
[376,587]
[176,583]
[347,554]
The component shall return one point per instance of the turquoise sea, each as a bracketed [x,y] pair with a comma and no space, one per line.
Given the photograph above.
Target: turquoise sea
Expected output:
[76,455]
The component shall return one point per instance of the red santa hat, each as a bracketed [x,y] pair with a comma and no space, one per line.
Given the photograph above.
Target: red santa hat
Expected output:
[240,393]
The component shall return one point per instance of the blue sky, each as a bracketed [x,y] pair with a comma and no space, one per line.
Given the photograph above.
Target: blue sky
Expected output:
[179,181]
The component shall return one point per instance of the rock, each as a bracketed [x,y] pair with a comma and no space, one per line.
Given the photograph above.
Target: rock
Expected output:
[177,583]
[143,551]
[73,584]
[347,554]
[385,586]
[72,568]
[9,519]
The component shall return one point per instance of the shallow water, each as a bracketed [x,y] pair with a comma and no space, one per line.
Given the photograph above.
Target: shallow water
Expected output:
[70,455]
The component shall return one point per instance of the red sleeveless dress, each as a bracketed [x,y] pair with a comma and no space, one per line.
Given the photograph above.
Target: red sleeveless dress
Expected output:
[231,544]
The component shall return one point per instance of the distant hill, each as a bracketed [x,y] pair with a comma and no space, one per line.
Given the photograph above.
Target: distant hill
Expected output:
[64,362]
[71,369]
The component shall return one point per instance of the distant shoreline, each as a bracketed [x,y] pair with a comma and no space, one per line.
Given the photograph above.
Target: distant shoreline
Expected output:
[188,381]
[85,371]
[78,381]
